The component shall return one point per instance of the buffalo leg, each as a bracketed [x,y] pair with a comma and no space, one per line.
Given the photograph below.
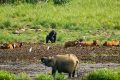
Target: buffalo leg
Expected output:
[69,75]
[59,72]
[53,72]
[73,74]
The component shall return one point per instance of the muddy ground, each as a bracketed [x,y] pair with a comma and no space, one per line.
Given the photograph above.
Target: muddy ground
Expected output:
[91,58]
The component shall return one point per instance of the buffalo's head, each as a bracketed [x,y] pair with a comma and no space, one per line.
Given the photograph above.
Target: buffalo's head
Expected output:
[48,61]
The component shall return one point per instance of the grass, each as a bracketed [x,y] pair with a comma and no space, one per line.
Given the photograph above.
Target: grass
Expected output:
[4,75]
[44,77]
[50,77]
[90,18]
[23,76]
[103,74]
[100,74]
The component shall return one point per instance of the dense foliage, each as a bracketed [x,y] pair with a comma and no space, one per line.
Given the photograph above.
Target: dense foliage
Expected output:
[103,74]
[100,74]
[4,75]
[60,1]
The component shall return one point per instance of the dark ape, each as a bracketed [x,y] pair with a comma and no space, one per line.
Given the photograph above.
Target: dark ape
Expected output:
[51,36]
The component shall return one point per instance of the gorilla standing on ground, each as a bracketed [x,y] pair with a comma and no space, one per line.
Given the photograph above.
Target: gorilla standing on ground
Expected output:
[51,36]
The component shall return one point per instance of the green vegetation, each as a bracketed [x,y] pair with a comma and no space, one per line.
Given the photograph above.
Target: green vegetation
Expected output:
[19,1]
[100,74]
[94,19]
[60,1]
[4,75]
[60,77]
[23,76]
[44,77]
[103,74]
[50,77]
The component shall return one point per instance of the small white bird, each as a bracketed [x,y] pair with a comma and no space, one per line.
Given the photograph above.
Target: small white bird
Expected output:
[48,47]
[30,50]
[14,45]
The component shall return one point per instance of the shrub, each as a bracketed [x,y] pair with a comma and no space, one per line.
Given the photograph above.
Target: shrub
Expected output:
[103,74]
[44,77]
[53,25]
[20,1]
[59,38]
[119,75]
[23,76]
[7,23]
[60,77]
[50,77]
[117,27]
[70,26]
[4,75]
[1,26]
[60,1]
[31,1]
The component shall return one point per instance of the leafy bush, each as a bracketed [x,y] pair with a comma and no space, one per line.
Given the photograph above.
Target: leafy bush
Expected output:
[7,24]
[60,1]
[60,38]
[20,1]
[119,75]
[71,26]
[1,26]
[23,76]
[50,77]
[4,75]
[44,77]
[117,27]
[103,74]
[60,77]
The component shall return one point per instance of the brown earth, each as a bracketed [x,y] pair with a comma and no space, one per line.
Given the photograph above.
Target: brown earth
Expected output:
[85,54]
[20,59]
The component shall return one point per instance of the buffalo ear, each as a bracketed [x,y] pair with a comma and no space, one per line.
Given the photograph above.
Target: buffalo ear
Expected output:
[42,59]
[51,57]
[52,60]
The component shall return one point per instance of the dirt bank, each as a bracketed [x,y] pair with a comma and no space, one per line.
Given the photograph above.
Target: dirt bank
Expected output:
[85,54]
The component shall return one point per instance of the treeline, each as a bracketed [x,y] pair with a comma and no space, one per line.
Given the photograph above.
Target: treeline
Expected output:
[32,1]
[20,1]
